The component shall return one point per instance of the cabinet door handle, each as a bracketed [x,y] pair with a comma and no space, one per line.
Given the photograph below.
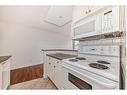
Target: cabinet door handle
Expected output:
[89,10]
[93,49]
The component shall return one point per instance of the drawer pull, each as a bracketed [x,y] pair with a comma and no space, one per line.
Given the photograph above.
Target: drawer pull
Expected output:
[93,49]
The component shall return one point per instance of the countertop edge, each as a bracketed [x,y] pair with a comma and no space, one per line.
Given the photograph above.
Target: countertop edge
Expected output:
[52,55]
[8,57]
[58,50]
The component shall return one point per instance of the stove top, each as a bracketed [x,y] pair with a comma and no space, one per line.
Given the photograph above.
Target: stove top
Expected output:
[104,66]
[98,66]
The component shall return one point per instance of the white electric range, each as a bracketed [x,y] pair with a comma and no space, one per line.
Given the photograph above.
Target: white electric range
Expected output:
[96,67]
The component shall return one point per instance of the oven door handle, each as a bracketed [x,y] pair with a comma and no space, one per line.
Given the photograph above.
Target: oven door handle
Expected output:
[108,85]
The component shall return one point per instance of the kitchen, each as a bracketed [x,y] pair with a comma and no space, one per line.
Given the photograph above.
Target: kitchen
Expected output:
[63,47]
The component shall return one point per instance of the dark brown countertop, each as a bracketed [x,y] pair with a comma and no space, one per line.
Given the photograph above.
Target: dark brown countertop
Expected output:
[4,58]
[58,50]
[61,56]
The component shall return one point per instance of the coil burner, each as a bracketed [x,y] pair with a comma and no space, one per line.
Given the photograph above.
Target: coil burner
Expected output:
[103,62]
[98,66]
[80,58]
[73,60]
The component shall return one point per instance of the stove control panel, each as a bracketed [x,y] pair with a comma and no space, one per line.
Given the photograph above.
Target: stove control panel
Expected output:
[113,50]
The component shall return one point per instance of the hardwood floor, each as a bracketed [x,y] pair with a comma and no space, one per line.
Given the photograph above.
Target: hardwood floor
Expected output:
[26,73]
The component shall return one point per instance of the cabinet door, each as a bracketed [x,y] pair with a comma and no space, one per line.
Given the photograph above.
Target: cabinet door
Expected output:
[58,74]
[52,73]
[92,9]
[1,76]
[48,66]
[79,12]
[51,69]
[55,72]
[82,11]
[6,75]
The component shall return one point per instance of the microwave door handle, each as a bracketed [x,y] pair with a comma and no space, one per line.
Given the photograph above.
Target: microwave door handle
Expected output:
[107,12]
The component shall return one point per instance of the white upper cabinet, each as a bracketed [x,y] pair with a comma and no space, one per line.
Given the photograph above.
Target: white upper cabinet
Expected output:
[80,12]
[92,9]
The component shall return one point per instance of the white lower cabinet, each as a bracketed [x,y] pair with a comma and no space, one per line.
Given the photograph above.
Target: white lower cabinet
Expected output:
[5,74]
[0,76]
[54,71]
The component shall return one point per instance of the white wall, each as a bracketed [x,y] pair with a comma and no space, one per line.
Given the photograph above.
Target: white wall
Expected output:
[24,43]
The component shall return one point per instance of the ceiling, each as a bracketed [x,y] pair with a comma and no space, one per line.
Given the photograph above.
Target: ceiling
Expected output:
[59,15]
[51,18]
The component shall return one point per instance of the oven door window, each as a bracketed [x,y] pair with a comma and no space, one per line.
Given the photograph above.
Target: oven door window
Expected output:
[81,84]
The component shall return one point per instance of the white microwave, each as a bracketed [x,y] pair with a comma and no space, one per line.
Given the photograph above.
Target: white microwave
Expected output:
[110,20]
[87,27]
[104,22]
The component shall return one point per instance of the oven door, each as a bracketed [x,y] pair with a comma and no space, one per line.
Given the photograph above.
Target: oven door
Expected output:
[81,84]
[74,78]
[71,80]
